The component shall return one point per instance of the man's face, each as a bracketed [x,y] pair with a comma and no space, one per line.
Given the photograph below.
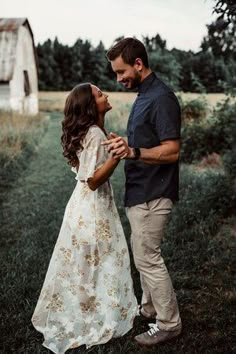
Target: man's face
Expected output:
[127,75]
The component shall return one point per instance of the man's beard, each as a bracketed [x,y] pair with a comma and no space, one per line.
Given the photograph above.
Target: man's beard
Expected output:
[136,81]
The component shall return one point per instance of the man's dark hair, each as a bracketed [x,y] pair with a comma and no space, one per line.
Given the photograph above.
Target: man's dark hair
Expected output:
[129,49]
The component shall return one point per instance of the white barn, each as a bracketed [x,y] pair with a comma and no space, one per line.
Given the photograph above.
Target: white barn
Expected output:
[18,67]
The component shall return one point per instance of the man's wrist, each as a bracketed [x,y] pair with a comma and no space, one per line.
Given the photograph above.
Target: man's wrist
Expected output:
[135,153]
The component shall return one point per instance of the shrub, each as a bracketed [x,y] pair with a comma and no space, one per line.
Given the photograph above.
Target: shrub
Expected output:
[229,162]
[214,134]
[197,108]
[225,114]
[205,200]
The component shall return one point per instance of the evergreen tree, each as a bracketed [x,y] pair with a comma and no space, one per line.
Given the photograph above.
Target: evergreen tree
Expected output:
[63,58]
[213,69]
[188,80]
[154,43]
[99,63]
[166,66]
[77,65]
[163,61]
[220,39]
[49,75]
[226,9]
[86,59]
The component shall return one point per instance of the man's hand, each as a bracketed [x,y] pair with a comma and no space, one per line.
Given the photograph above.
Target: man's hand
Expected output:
[165,153]
[118,147]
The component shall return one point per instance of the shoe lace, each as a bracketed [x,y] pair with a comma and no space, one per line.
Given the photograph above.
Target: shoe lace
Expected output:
[153,329]
[138,312]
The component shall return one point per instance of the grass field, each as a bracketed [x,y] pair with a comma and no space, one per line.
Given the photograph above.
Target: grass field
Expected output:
[54,101]
[199,260]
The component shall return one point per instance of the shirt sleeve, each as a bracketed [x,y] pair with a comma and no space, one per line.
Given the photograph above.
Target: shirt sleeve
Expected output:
[93,156]
[167,118]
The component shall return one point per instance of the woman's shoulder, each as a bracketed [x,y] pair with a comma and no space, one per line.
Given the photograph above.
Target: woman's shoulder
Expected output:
[94,136]
[96,131]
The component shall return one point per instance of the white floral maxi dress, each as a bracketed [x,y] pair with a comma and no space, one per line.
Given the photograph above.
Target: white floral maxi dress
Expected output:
[87,296]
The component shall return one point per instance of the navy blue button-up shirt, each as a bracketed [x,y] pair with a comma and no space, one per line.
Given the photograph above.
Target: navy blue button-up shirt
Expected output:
[155,116]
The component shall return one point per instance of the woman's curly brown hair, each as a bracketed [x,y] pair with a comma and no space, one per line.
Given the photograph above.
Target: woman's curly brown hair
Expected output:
[80,113]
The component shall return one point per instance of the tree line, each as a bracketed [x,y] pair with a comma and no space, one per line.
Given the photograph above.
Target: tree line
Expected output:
[212,69]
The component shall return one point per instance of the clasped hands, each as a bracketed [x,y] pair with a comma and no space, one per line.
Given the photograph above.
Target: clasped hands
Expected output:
[118,147]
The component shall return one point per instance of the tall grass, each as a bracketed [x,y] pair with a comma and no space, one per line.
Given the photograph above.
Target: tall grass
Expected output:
[17,133]
[19,139]
[197,249]
[116,119]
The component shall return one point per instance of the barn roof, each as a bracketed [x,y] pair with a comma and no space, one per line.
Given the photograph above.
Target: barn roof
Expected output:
[8,41]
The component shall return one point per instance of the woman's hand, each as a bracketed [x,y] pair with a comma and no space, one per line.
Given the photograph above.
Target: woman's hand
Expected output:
[118,146]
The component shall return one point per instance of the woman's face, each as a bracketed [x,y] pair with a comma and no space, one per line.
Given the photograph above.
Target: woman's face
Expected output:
[101,99]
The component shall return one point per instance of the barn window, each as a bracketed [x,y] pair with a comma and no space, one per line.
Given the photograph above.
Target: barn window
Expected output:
[26,83]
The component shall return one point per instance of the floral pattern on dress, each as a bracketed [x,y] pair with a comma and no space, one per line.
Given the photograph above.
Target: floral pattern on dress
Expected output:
[87,296]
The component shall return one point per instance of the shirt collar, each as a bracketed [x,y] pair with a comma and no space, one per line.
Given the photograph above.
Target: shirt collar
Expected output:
[146,83]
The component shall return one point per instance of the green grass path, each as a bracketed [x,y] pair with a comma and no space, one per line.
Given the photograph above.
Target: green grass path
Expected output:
[32,213]
[31,217]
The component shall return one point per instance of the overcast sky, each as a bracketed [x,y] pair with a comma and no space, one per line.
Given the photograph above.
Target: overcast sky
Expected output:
[182,23]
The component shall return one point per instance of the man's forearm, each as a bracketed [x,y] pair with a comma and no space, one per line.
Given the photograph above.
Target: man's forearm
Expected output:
[156,155]
[167,152]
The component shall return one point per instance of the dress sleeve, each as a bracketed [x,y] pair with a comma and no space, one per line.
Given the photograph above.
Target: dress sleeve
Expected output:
[93,156]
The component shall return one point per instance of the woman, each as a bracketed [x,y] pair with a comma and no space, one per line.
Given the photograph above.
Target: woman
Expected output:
[87,296]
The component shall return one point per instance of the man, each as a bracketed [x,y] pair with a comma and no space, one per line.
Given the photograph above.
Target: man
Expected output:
[151,169]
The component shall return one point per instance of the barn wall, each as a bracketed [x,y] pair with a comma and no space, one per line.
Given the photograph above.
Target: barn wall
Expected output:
[25,60]
[8,42]
[5,96]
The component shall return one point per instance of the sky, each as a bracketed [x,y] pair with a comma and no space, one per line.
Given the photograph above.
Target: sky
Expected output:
[182,23]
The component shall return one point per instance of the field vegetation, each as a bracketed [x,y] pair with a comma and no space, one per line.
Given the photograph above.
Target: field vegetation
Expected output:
[54,101]
[198,245]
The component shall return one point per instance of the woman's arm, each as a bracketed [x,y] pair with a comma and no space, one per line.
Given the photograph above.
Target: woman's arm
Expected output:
[103,173]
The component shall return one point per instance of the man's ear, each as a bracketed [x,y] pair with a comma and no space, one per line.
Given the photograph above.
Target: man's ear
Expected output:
[139,64]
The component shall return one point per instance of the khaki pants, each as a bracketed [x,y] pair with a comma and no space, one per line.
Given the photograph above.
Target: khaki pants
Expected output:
[147,222]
